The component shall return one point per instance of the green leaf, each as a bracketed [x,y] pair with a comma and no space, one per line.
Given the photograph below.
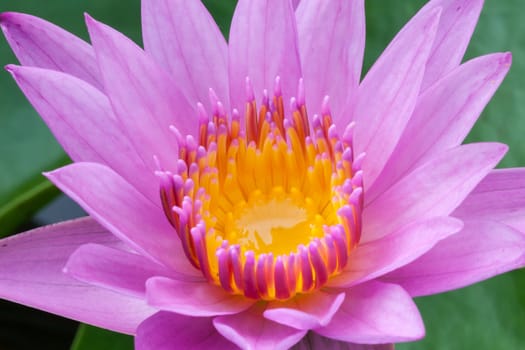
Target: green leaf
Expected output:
[222,12]
[383,20]
[25,202]
[488,315]
[89,338]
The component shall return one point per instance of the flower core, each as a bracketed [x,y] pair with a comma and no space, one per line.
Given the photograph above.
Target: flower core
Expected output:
[266,206]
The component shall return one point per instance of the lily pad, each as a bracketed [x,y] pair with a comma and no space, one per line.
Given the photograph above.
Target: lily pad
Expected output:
[89,337]
[488,315]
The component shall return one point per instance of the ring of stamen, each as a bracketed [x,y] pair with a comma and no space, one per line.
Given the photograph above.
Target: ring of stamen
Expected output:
[266,208]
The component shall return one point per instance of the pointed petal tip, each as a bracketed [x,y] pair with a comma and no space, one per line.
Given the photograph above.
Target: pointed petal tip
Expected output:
[456,224]
[500,149]
[8,18]
[54,175]
[73,258]
[494,150]
[506,59]
[95,28]
[501,60]
[88,18]
[20,71]
[11,68]
[4,17]
[91,23]
[49,174]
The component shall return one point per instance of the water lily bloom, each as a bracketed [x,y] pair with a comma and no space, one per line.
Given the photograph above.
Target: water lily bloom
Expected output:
[257,193]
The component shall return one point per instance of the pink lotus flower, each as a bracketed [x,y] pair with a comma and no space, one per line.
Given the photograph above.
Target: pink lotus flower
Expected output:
[272,229]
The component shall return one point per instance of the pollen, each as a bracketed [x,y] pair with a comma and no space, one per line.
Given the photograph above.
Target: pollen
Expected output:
[267,205]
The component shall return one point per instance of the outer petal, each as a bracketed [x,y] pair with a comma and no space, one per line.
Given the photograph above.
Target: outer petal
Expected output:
[183,37]
[31,274]
[435,188]
[376,313]
[481,250]
[144,97]
[250,330]
[314,341]
[81,118]
[39,43]
[123,210]
[500,197]
[458,20]
[332,44]
[444,115]
[169,331]
[263,45]
[306,311]
[388,94]
[114,269]
[193,298]
[373,259]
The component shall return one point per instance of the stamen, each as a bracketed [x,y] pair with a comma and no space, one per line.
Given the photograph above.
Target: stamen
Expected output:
[265,205]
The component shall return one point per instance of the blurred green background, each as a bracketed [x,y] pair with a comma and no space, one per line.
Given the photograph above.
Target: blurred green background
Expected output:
[489,315]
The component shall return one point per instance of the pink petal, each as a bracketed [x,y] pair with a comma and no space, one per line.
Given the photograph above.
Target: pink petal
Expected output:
[124,211]
[114,269]
[81,118]
[332,43]
[376,313]
[306,311]
[144,97]
[458,20]
[388,94]
[314,341]
[444,115]
[169,331]
[250,330]
[500,197]
[39,43]
[373,259]
[183,37]
[433,189]
[31,274]
[263,45]
[481,250]
[193,298]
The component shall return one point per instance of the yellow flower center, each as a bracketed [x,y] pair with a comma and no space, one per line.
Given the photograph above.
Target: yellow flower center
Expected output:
[273,223]
[267,206]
